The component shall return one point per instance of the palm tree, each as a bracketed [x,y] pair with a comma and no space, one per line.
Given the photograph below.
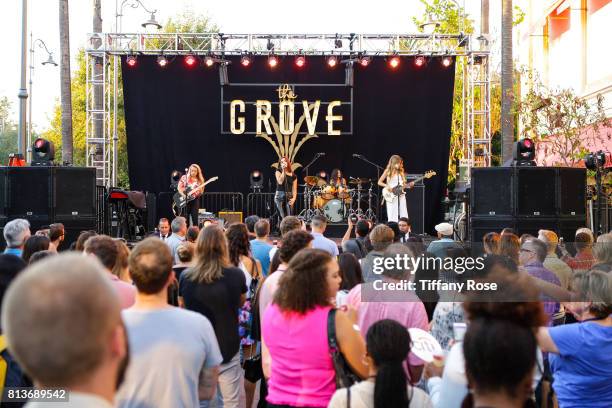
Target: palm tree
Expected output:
[507,120]
[484,16]
[65,92]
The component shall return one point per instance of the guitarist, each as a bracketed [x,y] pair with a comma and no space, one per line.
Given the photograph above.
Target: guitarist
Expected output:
[393,180]
[190,181]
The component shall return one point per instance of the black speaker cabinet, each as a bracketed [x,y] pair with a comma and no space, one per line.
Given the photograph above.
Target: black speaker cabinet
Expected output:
[571,191]
[75,192]
[30,193]
[535,192]
[415,203]
[480,226]
[492,191]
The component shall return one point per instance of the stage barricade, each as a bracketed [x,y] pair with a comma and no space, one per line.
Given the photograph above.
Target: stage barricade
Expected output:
[226,201]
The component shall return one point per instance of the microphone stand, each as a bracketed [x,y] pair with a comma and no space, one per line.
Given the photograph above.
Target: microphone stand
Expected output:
[378,169]
[307,213]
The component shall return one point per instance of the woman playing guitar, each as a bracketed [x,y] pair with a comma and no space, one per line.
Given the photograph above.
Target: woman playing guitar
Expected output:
[194,179]
[286,187]
[393,180]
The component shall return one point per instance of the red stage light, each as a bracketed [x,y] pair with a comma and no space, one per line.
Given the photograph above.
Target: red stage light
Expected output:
[394,62]
[527,143]
[364,61]
[209,62]
[131,60]
[272,61]
[245,61]
[162,61]
[300,61]
[419,61]
[190,60]
[447,61]
[332,61]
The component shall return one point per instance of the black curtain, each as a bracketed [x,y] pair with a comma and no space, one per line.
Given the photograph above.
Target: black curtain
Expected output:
[173,118]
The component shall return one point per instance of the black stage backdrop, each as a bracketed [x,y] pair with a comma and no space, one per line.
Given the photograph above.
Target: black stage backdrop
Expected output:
[173,118]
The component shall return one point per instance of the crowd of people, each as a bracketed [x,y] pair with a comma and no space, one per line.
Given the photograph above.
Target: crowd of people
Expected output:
[226,316]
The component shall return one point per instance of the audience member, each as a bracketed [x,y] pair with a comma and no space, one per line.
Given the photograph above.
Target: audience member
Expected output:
[581,353]
[490,243]
[34,244]
[552,261]
[192,234]
[179,230]
[525,237]
[217,290]
[105,249]
[250,223]
[289,223]
[350,273]
[508,231]
[75,341]
[10,266]
[602,252]
[405,227]
[583,261]
[510,246]
[373,303]
[260,245]
[318,225]
[185,254]
[40,255]
[587,231]
[174,352]
[16,233]
[296,356]
[57,233]
[396,231]
[444,242]
[163,229]
[121,269]
[381,237]
[388,344]
[83,236]
[357,245]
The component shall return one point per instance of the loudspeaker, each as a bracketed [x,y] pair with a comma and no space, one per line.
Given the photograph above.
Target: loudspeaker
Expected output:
[492,191]
[480,226]
[531,225]
[231,217]
[568,226]
[164,206]
[30,193]
[151,199]
[535,192]
[3,192]
[571,191]
[415,203]
[74,192]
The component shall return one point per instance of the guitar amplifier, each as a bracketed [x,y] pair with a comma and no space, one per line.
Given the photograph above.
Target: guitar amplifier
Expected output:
[230,217]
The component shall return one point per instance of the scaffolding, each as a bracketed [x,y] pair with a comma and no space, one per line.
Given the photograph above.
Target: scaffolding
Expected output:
[108,48]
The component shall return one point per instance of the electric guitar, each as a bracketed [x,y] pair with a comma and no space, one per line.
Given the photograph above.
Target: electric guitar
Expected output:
[181,200]
[389,196]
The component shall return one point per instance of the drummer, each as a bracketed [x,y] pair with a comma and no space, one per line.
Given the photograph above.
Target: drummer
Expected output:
[336,179]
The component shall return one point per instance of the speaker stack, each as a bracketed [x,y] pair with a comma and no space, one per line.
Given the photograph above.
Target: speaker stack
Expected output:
[46,195]
[527,199]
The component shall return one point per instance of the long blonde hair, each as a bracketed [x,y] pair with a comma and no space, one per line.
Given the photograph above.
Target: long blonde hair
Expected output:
[211,256]
[393,160]
[200,176]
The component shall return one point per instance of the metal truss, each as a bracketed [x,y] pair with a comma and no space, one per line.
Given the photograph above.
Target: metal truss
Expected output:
[107,48]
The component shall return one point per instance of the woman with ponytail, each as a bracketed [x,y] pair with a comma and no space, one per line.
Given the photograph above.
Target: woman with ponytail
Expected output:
[388,345]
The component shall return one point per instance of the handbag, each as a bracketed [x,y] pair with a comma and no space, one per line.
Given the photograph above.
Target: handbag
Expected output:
[344,375]
[253,371]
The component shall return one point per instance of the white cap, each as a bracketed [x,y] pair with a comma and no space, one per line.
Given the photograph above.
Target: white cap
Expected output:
[444,228]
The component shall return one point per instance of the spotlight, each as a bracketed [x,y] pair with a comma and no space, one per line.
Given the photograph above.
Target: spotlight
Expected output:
[175,177]
[131,60]
[593,161]
[162,61]
[338,43]
[272,61]
[245,61]
[209,61]
[43,152]
[394,62]
[419,61]
[332,61]
[270,45]
[364,61]
[300,61]
[447,61]
[256,180]
[190,60]
[322,174]
[523,153]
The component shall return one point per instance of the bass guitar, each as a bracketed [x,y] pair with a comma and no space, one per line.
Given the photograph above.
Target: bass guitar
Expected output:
[181,200]
[389,196]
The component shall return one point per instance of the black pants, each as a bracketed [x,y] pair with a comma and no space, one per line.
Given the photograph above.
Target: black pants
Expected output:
[282,204]
[191,211]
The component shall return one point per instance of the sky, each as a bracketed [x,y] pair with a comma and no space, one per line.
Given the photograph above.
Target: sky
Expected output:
[233,16]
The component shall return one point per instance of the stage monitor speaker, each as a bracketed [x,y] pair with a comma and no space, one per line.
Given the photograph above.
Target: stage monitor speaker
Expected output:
[491,191]
[535,192]
[571,191]
[30,193]
[151,212]
[480,226]
[75,192]
[231,217]
[415,203]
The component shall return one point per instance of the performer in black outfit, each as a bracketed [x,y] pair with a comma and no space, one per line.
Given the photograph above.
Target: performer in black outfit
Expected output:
[286,188]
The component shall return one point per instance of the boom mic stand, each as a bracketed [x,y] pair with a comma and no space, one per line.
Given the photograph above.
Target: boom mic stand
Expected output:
[378,169]
[307,213]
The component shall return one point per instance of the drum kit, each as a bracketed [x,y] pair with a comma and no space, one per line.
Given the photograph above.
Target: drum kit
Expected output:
[337,203]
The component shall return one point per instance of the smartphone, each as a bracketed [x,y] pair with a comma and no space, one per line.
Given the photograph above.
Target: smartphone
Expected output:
[459,330]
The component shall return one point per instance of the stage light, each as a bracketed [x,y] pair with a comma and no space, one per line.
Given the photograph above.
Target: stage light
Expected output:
[300,61]
[338,43]
[394,62]
[256,180]
[332,61]
[175,177]
[245,61]
[43,152]
[523,153]
[420,61]
[272,61]
[162,61]
[209,61]
[190,60]
[131,60]
[322,174]
[593,161]
[447,61]
[365,61]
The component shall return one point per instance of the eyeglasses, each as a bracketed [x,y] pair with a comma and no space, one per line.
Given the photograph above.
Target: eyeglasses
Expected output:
[527,250]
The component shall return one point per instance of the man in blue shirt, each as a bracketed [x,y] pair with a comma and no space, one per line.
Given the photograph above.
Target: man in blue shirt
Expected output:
[16,233]
[179,230]
[318,225]
[260,247]
[444,242]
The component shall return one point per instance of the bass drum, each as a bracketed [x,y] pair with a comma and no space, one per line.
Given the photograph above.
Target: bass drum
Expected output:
[334,210]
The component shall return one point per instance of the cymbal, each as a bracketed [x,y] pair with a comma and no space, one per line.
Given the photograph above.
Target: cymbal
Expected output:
[360,181]
[313,180]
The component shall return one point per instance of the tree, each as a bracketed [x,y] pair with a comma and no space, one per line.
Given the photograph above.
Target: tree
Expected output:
[65,93]
[507,71]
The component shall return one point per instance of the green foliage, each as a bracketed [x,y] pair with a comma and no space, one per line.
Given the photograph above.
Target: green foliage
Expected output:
[451,18]
[190,22]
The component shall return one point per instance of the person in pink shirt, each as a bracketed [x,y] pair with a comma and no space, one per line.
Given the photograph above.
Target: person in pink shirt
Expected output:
[106,250]
[402,306]
[294,331]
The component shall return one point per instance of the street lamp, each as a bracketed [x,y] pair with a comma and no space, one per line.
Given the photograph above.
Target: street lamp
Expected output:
[49,61]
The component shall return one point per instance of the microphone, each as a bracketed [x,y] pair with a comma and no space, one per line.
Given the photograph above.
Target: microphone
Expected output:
[321,154]
[356,155]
